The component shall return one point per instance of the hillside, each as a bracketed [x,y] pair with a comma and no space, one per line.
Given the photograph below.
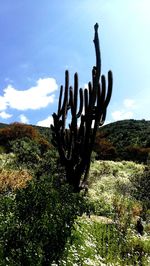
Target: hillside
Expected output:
[2,125]
[128,132]
[124,140]
[45,131]
[121,140]
[120,133]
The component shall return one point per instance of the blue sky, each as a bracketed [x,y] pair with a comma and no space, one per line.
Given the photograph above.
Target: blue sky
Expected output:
[41,39]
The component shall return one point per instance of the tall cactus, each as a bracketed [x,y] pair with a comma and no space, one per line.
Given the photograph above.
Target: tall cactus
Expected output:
[88,112]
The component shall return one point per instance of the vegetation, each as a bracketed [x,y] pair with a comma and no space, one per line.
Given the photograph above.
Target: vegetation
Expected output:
[43,222]
[36,215]
[130,138]
[121,140]
[19,131]
[109,236]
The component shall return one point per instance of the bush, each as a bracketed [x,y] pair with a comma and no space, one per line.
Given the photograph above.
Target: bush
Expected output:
[17,131]
[137,154]
[27,151]
[104,148]
[43,215]
[141,187]
[10,180]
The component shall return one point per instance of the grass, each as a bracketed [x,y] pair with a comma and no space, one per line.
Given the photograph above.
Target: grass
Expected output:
[108,179]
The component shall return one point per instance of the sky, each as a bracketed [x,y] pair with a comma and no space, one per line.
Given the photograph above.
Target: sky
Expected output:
[39,40]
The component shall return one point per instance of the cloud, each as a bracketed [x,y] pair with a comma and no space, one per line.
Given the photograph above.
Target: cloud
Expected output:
[33,98]
[5,115]
[3,105]
[46,122]
[23,119]
[129,103]
[121,115]
[126,112]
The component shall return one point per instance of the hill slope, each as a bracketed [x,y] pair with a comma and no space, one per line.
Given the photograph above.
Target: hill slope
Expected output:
[125,132]
[125,140]
[128,132]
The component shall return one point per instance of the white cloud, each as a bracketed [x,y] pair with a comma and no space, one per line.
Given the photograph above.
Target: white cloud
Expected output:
[5,115]
[3,105]
[129,103]
[33,98]
[126,112]
[23,119]
[121,115]
[46,122]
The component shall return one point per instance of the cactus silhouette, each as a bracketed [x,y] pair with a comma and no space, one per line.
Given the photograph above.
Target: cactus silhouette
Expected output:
[87,109]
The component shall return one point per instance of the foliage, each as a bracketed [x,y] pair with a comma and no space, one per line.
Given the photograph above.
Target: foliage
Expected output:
[136,153]
[10,180]
[128,132]
[37,222]
[40,218]
[17,131]
[2,149]
[141,183]
[100,243]
[104,148]
[27,151]
[120,135]
[7,160]
[36,218]
[110,193]
[43,214]
[107,180]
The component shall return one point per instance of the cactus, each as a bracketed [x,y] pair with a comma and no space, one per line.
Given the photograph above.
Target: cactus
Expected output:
[88,112]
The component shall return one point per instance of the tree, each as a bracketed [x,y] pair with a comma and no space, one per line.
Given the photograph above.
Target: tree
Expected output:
[75,143]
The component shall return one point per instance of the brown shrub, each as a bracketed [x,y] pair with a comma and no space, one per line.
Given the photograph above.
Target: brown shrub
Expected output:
[104,148]
[13,179]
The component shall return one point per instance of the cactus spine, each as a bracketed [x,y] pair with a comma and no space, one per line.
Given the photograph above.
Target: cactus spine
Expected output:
[75,144]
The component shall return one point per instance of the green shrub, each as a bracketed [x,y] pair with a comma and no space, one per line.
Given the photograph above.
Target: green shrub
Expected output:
[2,149]
[141,187]
[27,151]
[41,222]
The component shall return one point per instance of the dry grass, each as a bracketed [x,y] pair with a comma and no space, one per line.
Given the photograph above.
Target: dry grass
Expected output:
[101,219]
[13,179]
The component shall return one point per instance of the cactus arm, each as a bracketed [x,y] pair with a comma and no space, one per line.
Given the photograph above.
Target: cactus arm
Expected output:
[60,100]
[86,102]
[81,103]
[75,93]
[109,91]
[97,50]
